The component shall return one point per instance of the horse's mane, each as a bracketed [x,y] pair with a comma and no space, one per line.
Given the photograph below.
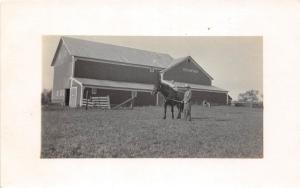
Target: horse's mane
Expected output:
[170,89]
[167,86]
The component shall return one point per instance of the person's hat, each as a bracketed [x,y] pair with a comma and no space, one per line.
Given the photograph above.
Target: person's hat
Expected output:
[187,86]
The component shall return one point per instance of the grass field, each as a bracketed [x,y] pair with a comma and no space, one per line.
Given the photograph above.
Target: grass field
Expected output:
[217,132]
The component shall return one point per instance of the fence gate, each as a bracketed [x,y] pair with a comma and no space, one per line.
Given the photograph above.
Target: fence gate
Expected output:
[73,97]
[101,102]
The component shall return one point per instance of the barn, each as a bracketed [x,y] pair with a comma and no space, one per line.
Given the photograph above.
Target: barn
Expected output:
[187,70]
[85,69]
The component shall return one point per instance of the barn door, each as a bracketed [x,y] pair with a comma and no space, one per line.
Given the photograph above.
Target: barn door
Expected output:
[73,97]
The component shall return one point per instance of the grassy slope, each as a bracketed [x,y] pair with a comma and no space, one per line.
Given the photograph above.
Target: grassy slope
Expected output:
[214,132]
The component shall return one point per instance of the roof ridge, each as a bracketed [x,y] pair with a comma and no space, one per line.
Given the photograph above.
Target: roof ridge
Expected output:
[183,57]
[96,42]
[175,62]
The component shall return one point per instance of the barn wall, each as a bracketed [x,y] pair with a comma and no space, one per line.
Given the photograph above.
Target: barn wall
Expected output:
[211,97]
[62,55]
[187,72]
[116,96]
[119,96]
[62,74]
[198,97]
[105,71]
[145,99]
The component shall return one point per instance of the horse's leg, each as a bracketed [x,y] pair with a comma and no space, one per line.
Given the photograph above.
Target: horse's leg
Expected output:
[172,109]
[165,110]
[179,111]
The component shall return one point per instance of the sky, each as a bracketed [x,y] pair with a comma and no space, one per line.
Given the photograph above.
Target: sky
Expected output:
[235,63]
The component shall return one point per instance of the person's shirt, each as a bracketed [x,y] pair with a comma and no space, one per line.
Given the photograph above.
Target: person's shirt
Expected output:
[187,96]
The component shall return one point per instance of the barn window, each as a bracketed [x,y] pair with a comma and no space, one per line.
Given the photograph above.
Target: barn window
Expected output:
[57,92]
[94,91]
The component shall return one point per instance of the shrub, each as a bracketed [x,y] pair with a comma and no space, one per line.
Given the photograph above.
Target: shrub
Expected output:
[46,97]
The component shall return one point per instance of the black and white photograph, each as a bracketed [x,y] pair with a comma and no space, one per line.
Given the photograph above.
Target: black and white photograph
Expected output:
[152,97]
[152,94]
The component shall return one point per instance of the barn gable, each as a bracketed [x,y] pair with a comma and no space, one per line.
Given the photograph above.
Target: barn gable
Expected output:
[63,70]
[186,70]
[62,54]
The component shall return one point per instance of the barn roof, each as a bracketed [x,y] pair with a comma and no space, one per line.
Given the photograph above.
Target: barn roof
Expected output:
[199,87]
[143,87]
[115,84]
[180,60]
[102,51]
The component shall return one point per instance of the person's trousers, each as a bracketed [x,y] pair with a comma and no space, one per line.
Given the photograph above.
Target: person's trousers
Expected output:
[187,111]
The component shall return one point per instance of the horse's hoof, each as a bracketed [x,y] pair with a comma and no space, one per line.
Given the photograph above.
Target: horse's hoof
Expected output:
[164,117]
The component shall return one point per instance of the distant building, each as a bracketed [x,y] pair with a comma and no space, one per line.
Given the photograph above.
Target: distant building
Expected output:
[83,68]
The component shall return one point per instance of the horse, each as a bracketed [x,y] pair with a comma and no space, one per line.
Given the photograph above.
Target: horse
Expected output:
[172,97]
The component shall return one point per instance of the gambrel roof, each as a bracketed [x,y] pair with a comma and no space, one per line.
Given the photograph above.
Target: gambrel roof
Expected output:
[101,51]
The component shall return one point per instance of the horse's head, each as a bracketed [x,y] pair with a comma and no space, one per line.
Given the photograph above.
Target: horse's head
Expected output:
[157,84]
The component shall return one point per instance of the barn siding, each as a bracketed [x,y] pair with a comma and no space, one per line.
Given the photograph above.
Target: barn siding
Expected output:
[62,55]
[145,99]
[198,97]
[183,72]
[62,74]
[116,96]
[105,71]
[119,96]
[211,97]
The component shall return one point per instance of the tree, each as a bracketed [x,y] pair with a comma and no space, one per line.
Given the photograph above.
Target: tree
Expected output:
[46,96]
[251,96]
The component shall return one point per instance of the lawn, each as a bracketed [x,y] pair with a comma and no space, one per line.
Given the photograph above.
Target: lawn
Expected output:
[216,132]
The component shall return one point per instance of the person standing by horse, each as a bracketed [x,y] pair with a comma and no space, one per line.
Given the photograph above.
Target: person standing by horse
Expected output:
[187,103]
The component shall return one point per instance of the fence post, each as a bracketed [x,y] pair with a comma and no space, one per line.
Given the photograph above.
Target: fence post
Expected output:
[133,95]
[87,100]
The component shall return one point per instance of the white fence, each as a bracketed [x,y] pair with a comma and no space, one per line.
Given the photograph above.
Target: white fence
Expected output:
[101,102]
